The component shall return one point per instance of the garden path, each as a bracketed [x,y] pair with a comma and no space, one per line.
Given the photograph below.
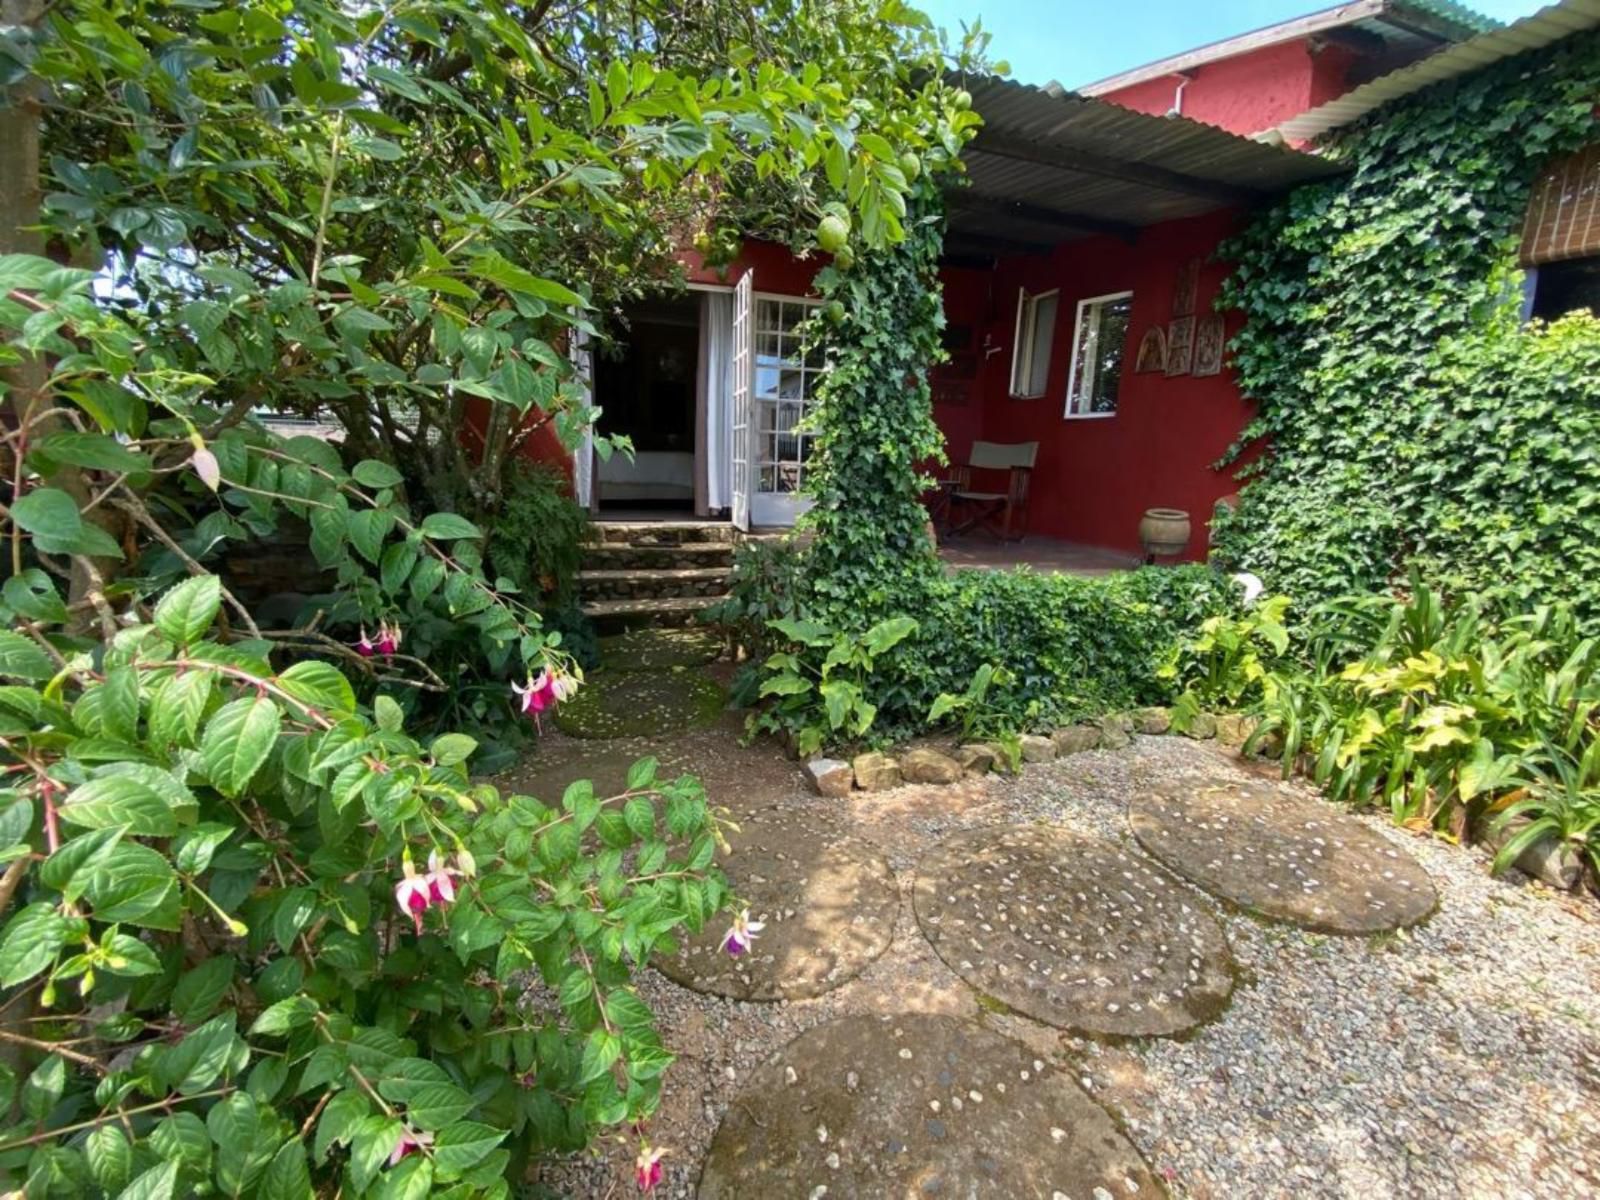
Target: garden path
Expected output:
[1460,1057]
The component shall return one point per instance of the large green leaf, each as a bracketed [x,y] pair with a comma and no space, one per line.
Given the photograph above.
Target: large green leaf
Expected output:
[32,940]
[144,799]
[237,741]
[449,527]
[20,658]
[187,611]
[320,685]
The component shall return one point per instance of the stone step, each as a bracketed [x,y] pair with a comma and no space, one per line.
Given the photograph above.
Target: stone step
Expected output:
[610,616]
[617,556]
[656,583]
[663,533]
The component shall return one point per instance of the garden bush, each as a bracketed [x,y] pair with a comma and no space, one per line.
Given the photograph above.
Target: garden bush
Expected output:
[1410,418]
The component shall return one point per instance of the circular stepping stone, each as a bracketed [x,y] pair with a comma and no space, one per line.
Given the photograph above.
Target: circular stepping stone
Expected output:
[1073,931]
[1265,848]
[916,1106]
[614,704]
[828,904]
[654,649]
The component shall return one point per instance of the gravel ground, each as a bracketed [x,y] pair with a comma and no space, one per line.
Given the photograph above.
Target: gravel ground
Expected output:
[1459,1059]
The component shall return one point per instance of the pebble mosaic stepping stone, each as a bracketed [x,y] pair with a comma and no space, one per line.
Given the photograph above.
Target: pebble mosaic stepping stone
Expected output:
[828,904]
[1265,848]
[615,704]
[916,1106]
[653,649]
[1074,931]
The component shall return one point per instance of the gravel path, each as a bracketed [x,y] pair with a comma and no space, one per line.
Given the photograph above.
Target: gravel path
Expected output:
[1457,1059]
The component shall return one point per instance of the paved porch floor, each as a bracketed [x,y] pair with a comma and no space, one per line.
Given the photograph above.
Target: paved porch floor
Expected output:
[1040,553]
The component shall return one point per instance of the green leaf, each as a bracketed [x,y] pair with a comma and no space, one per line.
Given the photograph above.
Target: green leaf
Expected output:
[158,1183]
[377,147]
[338,1121]
[435,1105]
[642,773]
[447,527]
[132,884]
[390,716]
[20,658]
[201,988]
[97,451]
[125,955]
[142,798]
[182,1138]
[186,612]
[48,513]
[287,1177]
[319,684]
[458,1148]
[284,1016]
[372,473]
[600,1049]
[44,1088]
[110,1158]
[237,741]
[33,938]
[451,749]
[197,1061]
[371,1142]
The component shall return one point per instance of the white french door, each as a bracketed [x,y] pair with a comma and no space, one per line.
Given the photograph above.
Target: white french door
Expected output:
[787,370]
[741,444]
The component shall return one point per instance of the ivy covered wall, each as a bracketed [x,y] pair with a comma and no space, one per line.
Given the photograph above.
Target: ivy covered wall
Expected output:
[1412,417]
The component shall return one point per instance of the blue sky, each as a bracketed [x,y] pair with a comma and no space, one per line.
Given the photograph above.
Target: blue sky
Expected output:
[1077,41]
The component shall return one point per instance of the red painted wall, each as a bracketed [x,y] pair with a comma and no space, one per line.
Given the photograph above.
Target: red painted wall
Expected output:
[1249,92]
[777,270]
[1095,477]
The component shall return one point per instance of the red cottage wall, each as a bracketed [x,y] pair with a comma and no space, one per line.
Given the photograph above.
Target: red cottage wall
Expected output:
[776,267]
[1095,477]
[1249,92]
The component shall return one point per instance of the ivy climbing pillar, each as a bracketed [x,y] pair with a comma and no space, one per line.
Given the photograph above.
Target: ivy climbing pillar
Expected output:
[874,423]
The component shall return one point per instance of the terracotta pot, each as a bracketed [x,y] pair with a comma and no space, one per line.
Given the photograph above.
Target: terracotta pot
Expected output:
[1164,531]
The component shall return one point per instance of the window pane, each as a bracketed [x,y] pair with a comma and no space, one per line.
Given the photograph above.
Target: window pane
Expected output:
[1044,329]
[1111,337]
[1023,346]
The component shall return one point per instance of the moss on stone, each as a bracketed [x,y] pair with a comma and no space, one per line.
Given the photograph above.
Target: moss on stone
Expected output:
[616,704]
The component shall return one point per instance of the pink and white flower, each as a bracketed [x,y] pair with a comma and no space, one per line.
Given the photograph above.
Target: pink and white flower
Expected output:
[413,893]
[441,887]
[410,1140]
[647,1168]
[740,934]
[389,638]
[365,647]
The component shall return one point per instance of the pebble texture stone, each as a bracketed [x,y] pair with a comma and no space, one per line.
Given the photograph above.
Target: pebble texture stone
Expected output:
[924,765]
[1074,931]
[653,649]
[1037,749]
[615,704]
[1267,848]
[828,903]
[916,1106]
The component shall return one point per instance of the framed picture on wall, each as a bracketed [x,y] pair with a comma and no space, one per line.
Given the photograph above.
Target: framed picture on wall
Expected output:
[1152,352]
[1180,346]
[1208,339]
[1183,295]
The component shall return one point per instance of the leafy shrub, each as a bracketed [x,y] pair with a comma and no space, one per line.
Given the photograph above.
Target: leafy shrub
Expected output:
[821,683]
[1410,418]
[277,944]
[1226,665]
[538,534]
[1067,646]
[1443,715]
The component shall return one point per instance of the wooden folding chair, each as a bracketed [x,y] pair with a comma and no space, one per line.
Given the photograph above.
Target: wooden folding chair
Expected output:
[1003,514]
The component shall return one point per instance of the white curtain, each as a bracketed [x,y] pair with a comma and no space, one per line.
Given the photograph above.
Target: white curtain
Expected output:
[717,317]
[583,456]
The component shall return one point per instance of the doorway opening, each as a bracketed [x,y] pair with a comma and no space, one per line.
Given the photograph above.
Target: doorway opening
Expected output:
[646,383]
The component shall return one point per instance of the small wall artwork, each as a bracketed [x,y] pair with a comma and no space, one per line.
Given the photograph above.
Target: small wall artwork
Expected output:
[1183,295]
[1152,352]
[1208,339]
[1180,346]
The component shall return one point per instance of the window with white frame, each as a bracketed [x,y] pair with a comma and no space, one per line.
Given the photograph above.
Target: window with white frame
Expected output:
[788,368]
[1098,341]
[1030,353]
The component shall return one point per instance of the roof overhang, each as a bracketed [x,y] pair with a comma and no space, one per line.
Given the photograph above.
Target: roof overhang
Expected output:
[1050,166]
[1414,26]
[1543,28]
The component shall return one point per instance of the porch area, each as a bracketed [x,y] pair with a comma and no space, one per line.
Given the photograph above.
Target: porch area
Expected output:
[1046,554]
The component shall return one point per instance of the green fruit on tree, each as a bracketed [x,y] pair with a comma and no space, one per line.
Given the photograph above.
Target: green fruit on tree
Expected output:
[910,166]
[835,311]
[833,234]
[962,100]
[845,258]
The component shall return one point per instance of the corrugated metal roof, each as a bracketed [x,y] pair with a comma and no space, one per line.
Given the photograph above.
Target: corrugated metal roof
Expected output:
[1531,33]
[1045,156]
[1411,27]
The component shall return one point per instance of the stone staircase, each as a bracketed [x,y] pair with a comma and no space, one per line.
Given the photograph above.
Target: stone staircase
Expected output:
[654,572]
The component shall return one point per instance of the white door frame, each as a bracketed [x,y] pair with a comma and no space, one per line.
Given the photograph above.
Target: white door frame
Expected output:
[742,443]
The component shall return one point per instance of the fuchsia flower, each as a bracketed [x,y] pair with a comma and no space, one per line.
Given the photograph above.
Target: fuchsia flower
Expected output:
[410,1140]
[365,647]
[647,1168]
[388,638]
[415,893]
[740,934]
[545,690]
